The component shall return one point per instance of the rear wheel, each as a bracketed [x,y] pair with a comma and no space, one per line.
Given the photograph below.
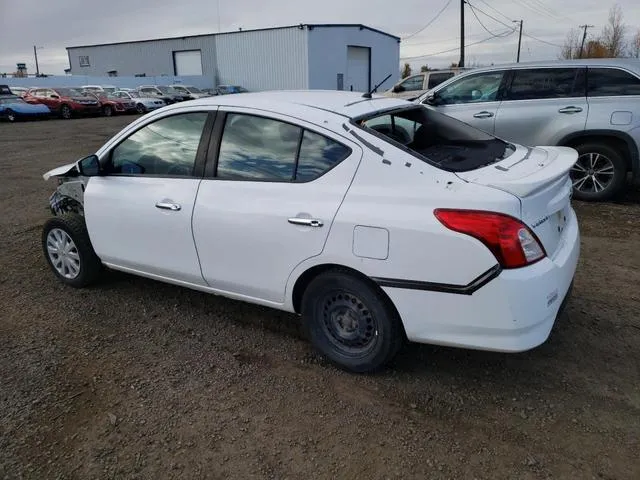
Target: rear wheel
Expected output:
[350,322]
[140,108]
[65,112]
[68,250]
[599,173]
[11,116]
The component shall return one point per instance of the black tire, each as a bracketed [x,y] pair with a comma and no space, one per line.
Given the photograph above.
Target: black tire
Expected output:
[350,322]
[90,266]
[107,111]
[140,108]
[66,112]
[590,186]
[11,116]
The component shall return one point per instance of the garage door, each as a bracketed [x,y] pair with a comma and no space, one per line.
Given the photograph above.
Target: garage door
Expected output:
[358,68]
[187,62]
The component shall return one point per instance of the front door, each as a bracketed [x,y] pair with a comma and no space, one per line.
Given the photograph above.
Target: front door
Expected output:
[139,211]
[473,99]
[270,203]
[543,105]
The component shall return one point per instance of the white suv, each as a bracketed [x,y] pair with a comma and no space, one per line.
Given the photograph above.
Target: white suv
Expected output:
[590,105]
[373,218]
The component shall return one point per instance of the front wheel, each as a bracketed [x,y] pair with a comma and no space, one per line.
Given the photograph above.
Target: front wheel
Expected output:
[68,250]
[140,108]
[350,322]
[65,112]
[107,111]
[599,174]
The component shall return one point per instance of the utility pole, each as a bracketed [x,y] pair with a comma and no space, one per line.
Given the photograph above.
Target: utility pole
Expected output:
[461,62]
[584,37]
[519,40]
[35,54]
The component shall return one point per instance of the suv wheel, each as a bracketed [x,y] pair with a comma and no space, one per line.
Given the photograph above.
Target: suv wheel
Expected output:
[599,173]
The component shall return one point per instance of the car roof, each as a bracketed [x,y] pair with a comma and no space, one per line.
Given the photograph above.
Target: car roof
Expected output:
[629,63]
[345,104]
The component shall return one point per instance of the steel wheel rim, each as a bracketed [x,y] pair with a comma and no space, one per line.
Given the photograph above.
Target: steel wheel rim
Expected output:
[348,323]
[592,173]
[63,253]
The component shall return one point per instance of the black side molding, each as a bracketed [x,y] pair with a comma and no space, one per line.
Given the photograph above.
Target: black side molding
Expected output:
[468,289]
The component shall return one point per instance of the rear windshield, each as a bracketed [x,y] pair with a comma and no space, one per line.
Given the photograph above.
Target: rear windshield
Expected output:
[436,138]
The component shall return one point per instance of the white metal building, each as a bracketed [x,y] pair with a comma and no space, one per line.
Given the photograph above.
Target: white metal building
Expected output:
[343,57]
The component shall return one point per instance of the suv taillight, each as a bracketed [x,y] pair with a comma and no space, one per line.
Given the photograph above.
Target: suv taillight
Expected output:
[511,241]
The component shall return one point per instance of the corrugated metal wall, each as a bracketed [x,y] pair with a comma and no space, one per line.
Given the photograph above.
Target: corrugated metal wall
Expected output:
[264,60]
[153,58]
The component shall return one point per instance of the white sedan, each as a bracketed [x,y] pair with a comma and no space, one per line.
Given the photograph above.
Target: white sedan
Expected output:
[375,219]
[143,104]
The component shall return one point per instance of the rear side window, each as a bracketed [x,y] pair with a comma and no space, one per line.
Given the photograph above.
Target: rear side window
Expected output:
[605,82]
[546,83]
[438,78]
[264,149]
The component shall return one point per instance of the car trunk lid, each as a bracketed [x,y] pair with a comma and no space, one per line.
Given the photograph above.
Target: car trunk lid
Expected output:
[539,177]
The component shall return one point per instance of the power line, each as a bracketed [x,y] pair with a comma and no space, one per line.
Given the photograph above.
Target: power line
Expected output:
[535,9]
[450,50]
[451,39]
[430,21]
[542,41]
[495,10]
[510,27]
[482,24]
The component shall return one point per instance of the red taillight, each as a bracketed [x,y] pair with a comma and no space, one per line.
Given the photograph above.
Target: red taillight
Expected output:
[510,240]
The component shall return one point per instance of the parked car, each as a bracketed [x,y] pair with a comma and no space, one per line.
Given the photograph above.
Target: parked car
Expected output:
[141,104]
[65,102]
[372,218]
[229,89]
[98,89]
[413,86]
[13,108]
[168,94]
[19,91]
[112,104]
[590,105]
[190,91]
[5,90]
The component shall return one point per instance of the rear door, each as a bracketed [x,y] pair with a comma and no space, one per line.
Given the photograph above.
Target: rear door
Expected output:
[473,99]
[543,105]
[269,201]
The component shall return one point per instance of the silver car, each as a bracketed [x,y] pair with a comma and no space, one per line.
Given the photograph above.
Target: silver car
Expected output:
[143,104]
[591,105]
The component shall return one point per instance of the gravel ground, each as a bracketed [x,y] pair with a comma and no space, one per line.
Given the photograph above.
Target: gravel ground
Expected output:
[134,379]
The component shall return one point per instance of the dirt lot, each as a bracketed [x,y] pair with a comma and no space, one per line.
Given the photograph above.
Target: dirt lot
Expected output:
[137,379]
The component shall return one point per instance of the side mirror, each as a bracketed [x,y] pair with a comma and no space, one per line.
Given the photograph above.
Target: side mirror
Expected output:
[431,98]
[89,166]
[398,88]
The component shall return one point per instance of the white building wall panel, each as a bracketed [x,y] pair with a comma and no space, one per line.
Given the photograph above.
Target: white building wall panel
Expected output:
[153,58]
[328,55]
[264,60]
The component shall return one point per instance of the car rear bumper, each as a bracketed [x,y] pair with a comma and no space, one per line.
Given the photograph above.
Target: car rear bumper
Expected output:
[514,312]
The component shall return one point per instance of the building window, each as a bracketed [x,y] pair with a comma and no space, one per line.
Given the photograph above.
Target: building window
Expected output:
[84,61]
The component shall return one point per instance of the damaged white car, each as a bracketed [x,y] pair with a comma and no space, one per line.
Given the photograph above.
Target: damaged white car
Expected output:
[375,219]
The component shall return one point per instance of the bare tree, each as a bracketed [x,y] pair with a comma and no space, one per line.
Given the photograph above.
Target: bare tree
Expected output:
[634,50]
[406,71]
[571,47]
[613,34]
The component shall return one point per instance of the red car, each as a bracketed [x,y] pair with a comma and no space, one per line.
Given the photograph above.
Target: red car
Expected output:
[65,102]
[111,104]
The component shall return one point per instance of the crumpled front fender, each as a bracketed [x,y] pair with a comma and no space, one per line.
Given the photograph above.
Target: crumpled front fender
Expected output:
[69,170]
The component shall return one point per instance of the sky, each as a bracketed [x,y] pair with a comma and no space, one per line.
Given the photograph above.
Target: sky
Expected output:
[54,25]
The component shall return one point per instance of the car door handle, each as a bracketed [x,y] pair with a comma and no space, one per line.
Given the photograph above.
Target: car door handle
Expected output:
[174,207]
[570,110]
[483,114]
[308,222]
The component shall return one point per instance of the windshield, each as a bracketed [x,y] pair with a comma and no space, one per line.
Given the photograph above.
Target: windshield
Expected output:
[109,89]
[6,101]
[69,92]
[193,89]
[133,94]
[438,139]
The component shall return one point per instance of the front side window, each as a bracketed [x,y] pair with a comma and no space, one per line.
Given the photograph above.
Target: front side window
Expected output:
[534,84]
[263,149]
[165,147]
[412,84]
[482,87]
[605,82]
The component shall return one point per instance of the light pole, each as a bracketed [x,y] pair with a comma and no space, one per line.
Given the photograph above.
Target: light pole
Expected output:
[35,54]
